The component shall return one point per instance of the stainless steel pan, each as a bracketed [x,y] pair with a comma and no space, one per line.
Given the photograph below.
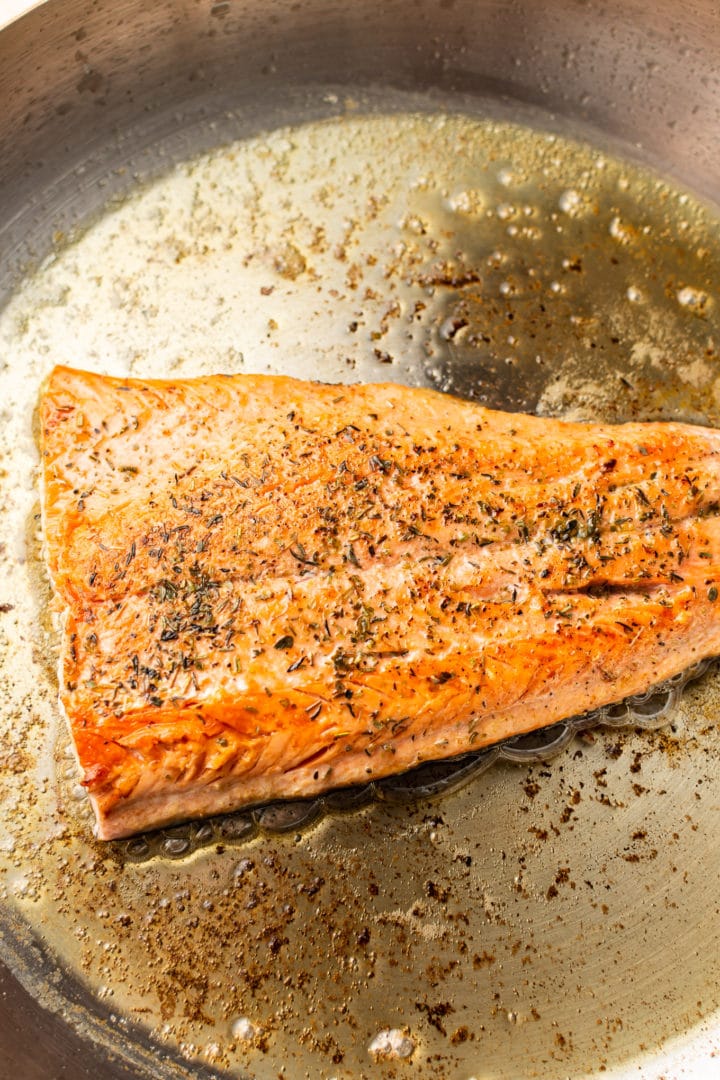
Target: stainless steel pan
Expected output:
[585,892]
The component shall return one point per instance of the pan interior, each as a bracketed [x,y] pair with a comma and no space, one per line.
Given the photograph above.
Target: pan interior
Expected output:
[532,923]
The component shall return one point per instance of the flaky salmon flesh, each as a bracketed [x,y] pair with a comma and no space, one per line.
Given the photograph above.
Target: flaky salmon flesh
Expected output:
[267,588]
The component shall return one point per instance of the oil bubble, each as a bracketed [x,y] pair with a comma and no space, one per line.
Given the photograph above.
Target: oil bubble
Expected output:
[620,230]
[692,298]
[465,202]
[138,848]
[175,845]
[570,202]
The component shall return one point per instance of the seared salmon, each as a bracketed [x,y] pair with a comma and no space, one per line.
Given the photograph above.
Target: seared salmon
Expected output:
[268,588]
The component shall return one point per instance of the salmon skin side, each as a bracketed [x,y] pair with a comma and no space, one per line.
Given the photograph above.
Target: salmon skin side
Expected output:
[268,588]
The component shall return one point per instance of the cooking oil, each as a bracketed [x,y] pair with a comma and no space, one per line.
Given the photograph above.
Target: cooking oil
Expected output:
[541,912]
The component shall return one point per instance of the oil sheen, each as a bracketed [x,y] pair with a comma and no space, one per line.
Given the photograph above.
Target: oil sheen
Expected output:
[461,937]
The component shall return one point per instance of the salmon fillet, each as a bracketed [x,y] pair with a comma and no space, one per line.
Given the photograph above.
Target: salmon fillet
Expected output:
[267,588]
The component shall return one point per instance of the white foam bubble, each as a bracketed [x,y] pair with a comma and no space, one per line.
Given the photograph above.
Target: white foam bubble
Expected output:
[392,1042]
[570,201]
[243,1028]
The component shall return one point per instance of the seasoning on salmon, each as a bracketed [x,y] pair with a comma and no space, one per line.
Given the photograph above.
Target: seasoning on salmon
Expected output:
[269,588]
